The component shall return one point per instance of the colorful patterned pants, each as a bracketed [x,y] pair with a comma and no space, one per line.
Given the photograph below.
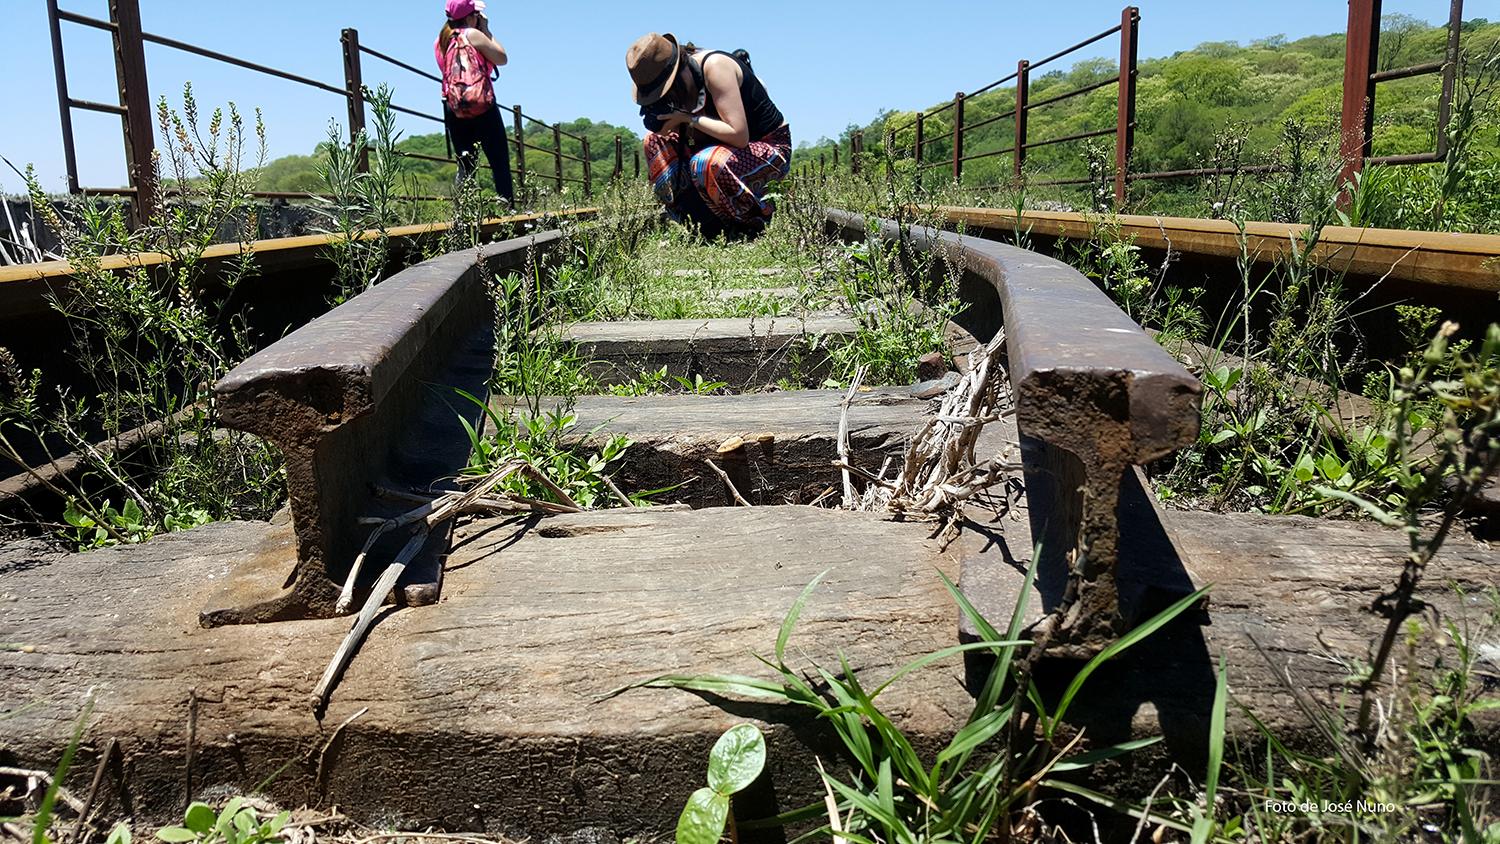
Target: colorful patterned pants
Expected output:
[730,181]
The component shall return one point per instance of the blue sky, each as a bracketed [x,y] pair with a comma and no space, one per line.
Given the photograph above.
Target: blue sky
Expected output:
[827,64]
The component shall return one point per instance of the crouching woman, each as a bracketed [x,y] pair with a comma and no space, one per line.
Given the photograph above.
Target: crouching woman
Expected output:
[715,140]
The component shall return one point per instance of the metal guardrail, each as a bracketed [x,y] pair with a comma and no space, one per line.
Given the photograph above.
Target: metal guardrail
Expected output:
[1357,123]
[134,108]
[1123,130]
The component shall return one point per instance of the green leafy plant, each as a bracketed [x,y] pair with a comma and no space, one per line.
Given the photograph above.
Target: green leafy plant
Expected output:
[236,823]
[974,787]
[537,439]
[880,285]
[150,341]
[364,181]
[734,763]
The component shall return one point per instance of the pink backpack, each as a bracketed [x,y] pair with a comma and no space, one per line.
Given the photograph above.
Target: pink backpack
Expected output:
[467,88]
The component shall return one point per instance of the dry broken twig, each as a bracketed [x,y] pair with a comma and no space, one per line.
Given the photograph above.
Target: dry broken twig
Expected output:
[843,437]
[724,476]
[940,470]
[425,518]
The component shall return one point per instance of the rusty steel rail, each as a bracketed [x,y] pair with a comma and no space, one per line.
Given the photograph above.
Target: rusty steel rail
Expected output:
[135,107]
[1439,259]
[1095,397]
[25,288]
[363,396]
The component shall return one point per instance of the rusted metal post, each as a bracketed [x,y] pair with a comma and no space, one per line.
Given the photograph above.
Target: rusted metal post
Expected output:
[64,110]
[854,140]
[1018,158]
[518,121]
[835,155]
[917,146]
[1130,19]
[354,92]
[1450,74]
[958,137]
[135,96]
[637,163]
[822,166]
[1357,118]
[588,169]
[557,145]
[619,158]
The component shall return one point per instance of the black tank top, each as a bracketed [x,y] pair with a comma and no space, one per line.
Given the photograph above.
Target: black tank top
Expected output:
[761,114]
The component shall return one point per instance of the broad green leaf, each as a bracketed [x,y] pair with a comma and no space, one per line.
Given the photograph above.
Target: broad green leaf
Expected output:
[176,834]
[119,835]
[1375,511]
[200,818]
[702,820]
[737,759]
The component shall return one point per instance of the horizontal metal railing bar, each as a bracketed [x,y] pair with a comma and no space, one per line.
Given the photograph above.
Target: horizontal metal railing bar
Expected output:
[1404,72]
[1010,150]
[108,191]
[438,158]
[1082,180]
[90,105]
[401,64]
[969,127]
[238,62]
[939,110]
[1079,46]
[525,116]
[1412,158]
[1078,137]
[74,17]
[996,83]
[1084,90]
[569,157]
[1205,171]
[571,179]
[546,150]
[414,113]
[564,132]
[260,194]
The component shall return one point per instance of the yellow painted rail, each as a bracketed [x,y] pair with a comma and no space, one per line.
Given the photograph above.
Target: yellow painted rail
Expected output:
[24,287]
[1444,259]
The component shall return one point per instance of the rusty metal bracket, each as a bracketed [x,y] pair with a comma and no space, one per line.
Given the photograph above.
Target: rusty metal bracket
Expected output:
[360,396]
[1095,397]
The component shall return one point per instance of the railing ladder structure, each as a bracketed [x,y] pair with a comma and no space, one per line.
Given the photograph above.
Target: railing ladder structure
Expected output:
[134,106]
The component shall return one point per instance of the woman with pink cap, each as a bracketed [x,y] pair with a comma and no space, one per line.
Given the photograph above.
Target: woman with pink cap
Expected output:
[715,139]
[468,57]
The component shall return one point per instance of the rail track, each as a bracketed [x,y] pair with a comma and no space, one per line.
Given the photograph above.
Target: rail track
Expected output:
[507,635]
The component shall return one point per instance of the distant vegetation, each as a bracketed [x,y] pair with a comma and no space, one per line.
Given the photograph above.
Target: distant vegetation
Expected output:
[301,172]
[1222,104]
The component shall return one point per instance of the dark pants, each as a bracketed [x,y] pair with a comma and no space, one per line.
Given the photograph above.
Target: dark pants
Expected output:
[487,131]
